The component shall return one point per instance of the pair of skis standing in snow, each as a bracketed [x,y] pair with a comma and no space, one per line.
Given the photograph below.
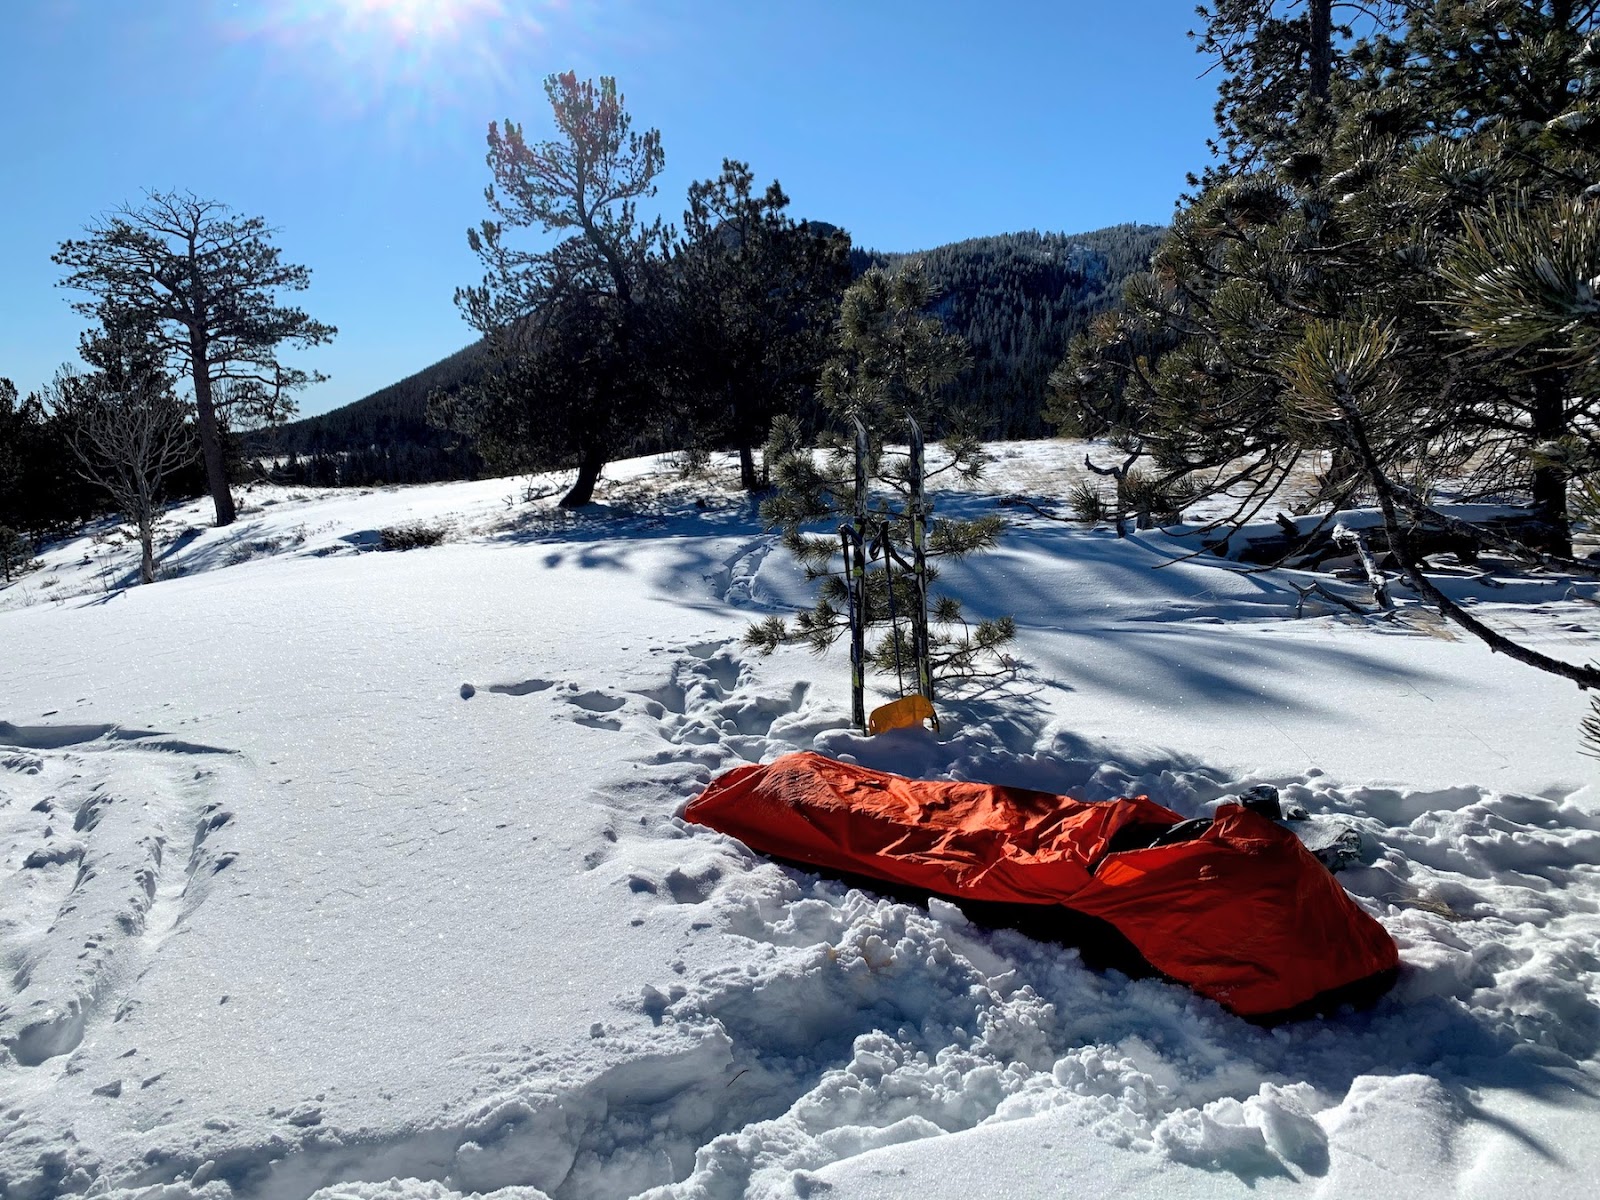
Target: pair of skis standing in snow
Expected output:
[863,539]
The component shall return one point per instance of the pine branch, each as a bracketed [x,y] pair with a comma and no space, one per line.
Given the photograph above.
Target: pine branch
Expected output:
[1400,547]
[1521,551]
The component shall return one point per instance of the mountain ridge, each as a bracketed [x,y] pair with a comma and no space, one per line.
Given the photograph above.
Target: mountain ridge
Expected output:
[1016,297]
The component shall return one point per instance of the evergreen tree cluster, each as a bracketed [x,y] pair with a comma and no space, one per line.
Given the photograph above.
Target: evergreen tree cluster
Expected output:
[371,464]
[1017,299]
[1388,277]
[41,492]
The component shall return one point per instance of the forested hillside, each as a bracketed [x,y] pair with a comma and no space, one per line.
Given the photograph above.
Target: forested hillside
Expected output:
[1017,298]
[382,438]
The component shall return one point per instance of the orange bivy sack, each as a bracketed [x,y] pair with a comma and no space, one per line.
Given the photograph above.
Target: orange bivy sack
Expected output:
[1243,913]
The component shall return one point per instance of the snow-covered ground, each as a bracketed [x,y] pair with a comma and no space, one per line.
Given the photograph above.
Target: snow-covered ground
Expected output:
[335,869]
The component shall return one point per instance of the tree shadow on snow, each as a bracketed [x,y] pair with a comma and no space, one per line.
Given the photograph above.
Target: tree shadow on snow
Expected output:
[629,520]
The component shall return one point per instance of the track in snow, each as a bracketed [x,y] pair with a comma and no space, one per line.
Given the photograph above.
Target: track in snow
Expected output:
[106,835]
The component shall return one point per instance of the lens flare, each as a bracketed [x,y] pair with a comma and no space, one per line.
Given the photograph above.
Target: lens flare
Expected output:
[418,24]
[404,56]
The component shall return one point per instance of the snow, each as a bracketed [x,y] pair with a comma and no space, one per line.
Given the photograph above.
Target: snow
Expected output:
[358,874]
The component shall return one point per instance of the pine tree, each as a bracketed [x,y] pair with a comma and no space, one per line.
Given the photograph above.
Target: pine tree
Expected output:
[1278,62]
[1511,96]
[892,362]
[203,281]
[593,286]
[1400,290]
[755,297]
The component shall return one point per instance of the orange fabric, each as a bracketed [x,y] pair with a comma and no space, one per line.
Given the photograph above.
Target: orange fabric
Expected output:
[898,714]
[1243,914]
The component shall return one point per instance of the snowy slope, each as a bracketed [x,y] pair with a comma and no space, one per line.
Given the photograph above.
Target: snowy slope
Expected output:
[332,869]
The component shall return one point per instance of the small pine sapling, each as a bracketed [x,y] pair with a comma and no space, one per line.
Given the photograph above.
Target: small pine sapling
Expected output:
[891,363]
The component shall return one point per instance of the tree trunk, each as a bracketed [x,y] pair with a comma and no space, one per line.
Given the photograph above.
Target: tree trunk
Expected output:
[748,479]
[588,474]
[210,435]
[1321,48]
[1343,475]
[1550,483]
[147,550]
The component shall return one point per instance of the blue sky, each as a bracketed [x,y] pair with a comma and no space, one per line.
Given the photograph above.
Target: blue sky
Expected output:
[357,128]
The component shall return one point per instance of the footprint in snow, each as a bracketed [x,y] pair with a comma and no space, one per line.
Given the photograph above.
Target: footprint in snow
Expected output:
[523,687]
[693,886]
[597,702]
[593,706]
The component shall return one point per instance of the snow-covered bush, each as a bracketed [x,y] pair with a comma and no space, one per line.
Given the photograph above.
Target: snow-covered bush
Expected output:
[410,535]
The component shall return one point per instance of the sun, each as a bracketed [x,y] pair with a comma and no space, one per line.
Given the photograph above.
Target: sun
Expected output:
[406,57]
[415,20]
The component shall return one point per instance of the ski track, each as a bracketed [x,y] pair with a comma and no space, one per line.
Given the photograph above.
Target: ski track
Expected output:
[112,838]
[108,830]
[855,1022]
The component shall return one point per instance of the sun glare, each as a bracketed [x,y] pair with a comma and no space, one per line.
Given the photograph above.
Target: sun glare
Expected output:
[405,56]
[416,20]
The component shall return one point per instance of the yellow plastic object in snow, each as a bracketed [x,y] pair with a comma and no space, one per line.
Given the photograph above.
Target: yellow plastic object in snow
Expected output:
[899,714]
